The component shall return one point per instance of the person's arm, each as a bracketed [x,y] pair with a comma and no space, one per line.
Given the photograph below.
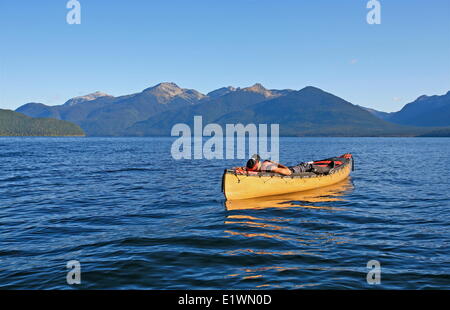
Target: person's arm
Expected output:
[282,170]
[275,167]
[280,166]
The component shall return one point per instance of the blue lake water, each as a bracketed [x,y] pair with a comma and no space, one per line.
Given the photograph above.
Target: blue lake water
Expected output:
[135,218]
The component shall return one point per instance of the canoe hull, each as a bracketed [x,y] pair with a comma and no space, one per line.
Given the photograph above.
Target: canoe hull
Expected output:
[237,186]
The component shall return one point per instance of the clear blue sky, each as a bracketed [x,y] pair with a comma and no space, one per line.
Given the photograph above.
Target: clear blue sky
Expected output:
[122,47]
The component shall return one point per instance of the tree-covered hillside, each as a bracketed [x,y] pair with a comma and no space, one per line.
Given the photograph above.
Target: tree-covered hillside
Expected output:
[16,124]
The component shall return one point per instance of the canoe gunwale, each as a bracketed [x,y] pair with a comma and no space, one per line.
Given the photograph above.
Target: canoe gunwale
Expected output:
[293,176]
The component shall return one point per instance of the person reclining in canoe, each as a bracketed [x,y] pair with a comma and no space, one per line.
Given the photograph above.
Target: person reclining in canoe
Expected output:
[256,164]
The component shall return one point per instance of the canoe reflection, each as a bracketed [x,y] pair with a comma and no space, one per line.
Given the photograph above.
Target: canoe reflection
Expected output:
[304,199]
[291,239]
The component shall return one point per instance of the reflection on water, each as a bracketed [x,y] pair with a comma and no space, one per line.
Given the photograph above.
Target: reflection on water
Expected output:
[301,199]
[307,238]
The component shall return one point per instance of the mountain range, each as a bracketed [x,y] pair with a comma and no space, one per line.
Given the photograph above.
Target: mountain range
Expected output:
[425,111]
[306,112]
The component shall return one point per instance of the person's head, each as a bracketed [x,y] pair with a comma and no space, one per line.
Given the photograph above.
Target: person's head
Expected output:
[253,162]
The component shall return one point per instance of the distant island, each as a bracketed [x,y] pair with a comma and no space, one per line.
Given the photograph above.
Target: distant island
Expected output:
[306,112]
[17,124]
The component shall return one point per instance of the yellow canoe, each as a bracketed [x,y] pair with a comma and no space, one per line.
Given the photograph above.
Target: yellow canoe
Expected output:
[310,199]
[238,184]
